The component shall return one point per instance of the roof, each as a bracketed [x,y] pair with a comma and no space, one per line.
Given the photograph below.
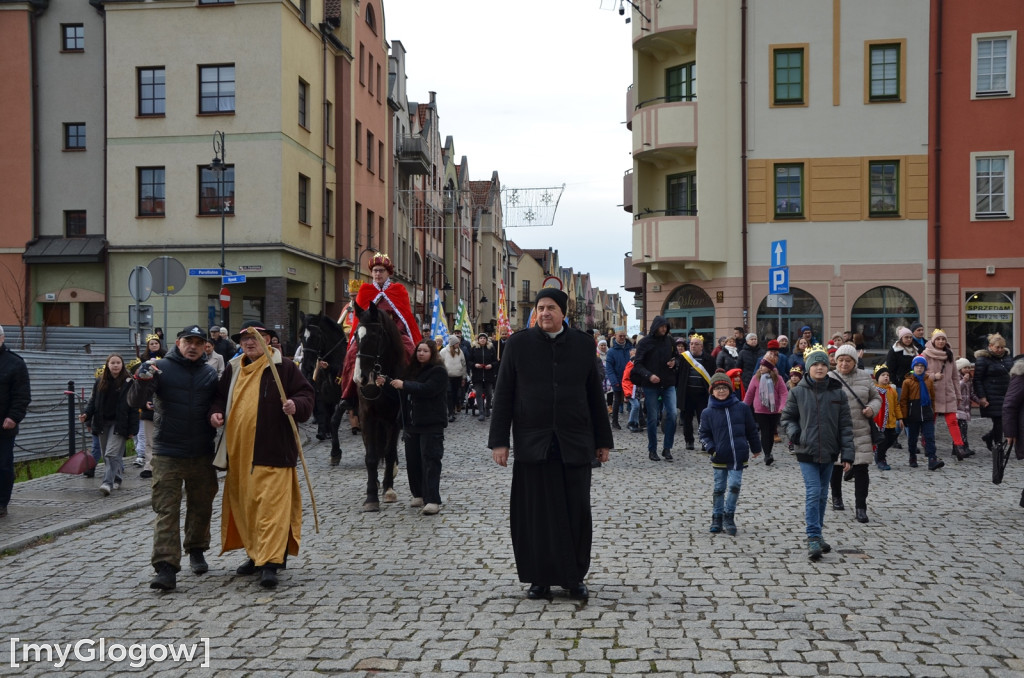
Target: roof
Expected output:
[518,251]
[54,250]
[481,191]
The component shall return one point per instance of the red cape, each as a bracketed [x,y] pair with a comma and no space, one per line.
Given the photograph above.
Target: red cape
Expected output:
[393,297]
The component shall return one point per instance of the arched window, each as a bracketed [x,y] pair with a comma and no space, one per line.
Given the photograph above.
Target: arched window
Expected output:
[689,309]
[878,312]
[371,18]
[805,310]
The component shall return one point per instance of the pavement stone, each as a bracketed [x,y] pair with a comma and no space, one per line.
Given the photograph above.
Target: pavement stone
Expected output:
[932,586]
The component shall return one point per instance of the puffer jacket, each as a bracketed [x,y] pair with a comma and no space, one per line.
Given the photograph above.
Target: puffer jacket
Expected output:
[15,392]
[728,432]
[817,419]
[991,378]
[653,354]
[454,365]
[1013,404]
[749,360]
[899,360]
[864,388]
[627,380]
[615,361]
[947,386]
[126,417]
[910,399]
[426,410]
[181,395]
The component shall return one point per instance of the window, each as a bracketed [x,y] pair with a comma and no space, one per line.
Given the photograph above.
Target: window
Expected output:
[805,311]
[526,291]
[369,151]
[788,81]
[380,159]
[303,199]
[884,72]
[74,136]
[329,212]
[370,218]
[216,2]
[371,19]
[682,194]
[359,224]
[993,185]
[883,188]
[72,37]
[879,312]
[369,73]
[74,223]
[359,142]
[681,83]
[789,191]
[216,191]
[994,59]
[303,99]
[328,126]
[152,91]
[303,10]
[362,64]
[378,82]
[217,89]
[151,191]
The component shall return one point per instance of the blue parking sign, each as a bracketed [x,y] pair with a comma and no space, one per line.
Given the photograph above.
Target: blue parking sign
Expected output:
[778,280]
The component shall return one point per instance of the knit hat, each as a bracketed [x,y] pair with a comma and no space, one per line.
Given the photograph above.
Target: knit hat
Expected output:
[767,363]
[914,326]
[720,378]
[964,363]
[879,370]
[919,360]
[781,337]
[847,350]
[773,345]
[559,297]
[815,354]
[805,328]
[751,336]
[797,370]
[680,340]
[453,340]
[904,331]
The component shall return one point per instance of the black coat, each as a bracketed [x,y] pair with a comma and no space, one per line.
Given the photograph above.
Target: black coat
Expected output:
[550,388]
[181,395]
[749,360]
[15,392]
[991,379]
[426,409]
[1013,404]
[126,417]
[683,382]
[483,355]
[653,354]
[898,360]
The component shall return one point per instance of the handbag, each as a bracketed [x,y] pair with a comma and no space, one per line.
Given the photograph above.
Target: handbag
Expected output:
[877,436]
[1000,456]
[220,460]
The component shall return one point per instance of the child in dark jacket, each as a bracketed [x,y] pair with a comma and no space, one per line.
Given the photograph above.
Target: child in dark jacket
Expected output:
[919,413]
[728,433]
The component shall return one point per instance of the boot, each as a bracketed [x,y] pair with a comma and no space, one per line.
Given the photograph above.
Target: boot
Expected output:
[862,515]
[246,568]
[716,523]
[825,546]
[987,438]
[666,455]
[729,524]
[653,456]
[913,461]
[769,460]
[814,548]
[165,579]
[268,576]
[197,562]
[934,463]
[958,452]
[837,503]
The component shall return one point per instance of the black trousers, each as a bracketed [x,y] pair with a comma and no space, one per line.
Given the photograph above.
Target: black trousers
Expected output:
[768,425]
[891,435]
[423,453]
[616,402]
[860,485]
[695,404]
[454,391]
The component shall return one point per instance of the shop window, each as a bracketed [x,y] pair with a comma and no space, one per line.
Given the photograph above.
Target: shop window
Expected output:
[878,312]
[804,310]
[986,313]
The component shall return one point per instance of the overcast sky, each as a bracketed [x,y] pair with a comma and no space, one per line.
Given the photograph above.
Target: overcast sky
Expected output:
[536,91]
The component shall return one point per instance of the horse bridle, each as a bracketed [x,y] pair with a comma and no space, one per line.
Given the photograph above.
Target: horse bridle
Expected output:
[377,370]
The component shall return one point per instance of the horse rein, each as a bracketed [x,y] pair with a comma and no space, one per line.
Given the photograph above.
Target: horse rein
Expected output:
[376,371]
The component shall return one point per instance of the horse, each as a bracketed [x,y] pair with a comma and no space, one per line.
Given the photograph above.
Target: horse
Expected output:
[324,339]
[380,352]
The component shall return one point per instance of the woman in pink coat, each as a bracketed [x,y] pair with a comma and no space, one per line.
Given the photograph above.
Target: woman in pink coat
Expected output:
[767,394]
[946,378]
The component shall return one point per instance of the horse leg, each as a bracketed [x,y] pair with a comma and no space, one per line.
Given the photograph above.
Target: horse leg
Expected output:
[339,411]
[372,502]
[390,466]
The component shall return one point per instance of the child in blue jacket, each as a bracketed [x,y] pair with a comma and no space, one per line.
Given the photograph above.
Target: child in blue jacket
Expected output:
[729,434]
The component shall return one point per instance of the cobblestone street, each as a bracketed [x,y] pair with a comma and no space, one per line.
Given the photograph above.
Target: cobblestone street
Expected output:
[933,585]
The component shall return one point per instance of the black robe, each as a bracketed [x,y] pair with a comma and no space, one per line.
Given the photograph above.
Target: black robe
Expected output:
[549,393]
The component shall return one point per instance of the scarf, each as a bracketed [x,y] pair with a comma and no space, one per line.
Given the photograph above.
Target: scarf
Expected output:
[926,400]
[766,391]
[732,351]
[884,413]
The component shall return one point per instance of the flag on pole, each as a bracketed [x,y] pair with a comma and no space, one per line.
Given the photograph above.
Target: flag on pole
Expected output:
[502,309]
[438,323]
[462,321]
[532,320]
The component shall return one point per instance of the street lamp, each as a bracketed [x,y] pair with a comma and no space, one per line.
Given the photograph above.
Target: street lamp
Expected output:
[218,167]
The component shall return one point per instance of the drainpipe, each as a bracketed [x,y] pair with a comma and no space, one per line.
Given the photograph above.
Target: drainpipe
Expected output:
[325,208]
[743,156]
[937,144]
[27,305]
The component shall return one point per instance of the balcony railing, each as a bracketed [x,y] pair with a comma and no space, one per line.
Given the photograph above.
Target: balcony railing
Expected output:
[413,155]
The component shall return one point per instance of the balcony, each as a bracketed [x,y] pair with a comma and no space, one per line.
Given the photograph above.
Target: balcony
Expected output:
[413,155]
[669,246]
[630,106]
[665,132]
[627,191]
[671,24]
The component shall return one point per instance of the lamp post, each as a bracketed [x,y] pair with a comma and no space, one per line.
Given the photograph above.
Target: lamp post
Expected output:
[483,300]
[218,167]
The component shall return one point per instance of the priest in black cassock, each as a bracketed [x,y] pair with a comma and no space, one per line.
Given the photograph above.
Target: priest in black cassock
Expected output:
[549,393]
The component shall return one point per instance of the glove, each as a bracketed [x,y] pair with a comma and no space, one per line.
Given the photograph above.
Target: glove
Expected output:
[795,438]
[147,371]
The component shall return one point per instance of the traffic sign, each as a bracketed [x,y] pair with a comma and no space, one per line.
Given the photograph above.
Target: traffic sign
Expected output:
[780,301]
[778,280]
[232,279]
[140,284]
[778,254]
[168,275]
[210,272]
[225,297]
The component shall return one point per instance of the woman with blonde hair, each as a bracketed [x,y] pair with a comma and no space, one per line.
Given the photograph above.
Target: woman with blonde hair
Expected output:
[946,379]
[454,361]
[991,379]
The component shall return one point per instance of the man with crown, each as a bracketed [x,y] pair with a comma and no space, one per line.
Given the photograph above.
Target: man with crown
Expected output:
[388,296]
[692,383]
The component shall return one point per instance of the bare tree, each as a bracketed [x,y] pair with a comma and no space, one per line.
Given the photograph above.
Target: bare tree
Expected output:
[14,296]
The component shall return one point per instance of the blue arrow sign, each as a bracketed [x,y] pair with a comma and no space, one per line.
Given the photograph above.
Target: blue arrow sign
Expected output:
[210,272]
[778,255]
[778,280]
[232,279]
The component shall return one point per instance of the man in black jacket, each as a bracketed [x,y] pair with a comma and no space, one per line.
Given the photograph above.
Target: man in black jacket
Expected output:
[550,394]
[654,369]
[15,395]
[181,387]
[695,370]
[483,362]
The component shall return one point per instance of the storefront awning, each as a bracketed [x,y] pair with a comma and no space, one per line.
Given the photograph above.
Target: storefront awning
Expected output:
[49,250]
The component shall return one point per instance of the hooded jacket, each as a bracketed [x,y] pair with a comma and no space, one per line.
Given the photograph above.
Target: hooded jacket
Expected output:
[991,379]
[615,361]
[653,354]
[729,433]
[817,420]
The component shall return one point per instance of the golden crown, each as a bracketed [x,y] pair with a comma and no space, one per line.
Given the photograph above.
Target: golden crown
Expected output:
[816,348]
[696,337]
[938,331]
[152,337]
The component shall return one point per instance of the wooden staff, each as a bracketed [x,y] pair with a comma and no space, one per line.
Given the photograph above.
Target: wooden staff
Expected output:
[295,429]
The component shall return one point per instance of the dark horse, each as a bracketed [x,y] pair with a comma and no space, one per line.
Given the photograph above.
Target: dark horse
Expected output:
[324,339]
[380,352]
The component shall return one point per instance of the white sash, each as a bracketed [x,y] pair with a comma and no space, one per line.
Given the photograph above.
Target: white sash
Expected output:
[697,366]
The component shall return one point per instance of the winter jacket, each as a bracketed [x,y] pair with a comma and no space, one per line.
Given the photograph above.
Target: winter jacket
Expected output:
[864,388]
[728,432]
[991,378]
[967,398]
[690,383]
[483,355]
[549,389]
[898,360]
[126,418]
[947,387]
[454,365]
[910,399]
[615,361]
[890,414]
[426,409]
[181,395]
[753,395]
[1013,404]
[817,420]
[749,360]
[653,354]
[726,361]
[15,392]
[627,380]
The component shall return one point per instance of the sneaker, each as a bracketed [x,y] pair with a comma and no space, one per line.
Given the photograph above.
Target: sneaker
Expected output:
[431,509]
[417,502]
[105,490]
[197,562]
[139,461]
[165,579]
[934,464]
[882,466]
[814,549]
[117,484]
